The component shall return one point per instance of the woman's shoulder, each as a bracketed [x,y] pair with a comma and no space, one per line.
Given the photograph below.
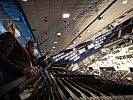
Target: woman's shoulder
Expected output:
[8,34]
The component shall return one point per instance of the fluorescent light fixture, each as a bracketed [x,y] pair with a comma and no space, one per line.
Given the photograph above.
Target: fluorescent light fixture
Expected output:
[58,34]
[55,42]
[53,47]
[24,0]
[90,46]
[88,31]
[66,15]
[124,2]
[82,50]
[101,20]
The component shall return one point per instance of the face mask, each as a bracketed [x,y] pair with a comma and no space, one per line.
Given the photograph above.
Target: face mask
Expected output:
[17,33]
[35,52]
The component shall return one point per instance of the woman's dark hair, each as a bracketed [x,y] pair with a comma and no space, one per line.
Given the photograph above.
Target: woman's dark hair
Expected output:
[30,43]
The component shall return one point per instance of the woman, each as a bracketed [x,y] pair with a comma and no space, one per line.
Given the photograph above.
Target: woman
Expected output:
[14,59]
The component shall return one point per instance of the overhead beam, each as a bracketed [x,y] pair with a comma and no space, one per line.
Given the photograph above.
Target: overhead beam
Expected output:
[90,23]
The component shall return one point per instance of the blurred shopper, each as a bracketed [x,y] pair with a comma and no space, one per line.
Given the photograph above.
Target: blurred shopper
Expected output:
[31,47]
[49,59]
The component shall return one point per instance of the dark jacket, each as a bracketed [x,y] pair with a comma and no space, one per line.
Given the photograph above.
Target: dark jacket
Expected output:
[36,61]
[33,58]
[13,57]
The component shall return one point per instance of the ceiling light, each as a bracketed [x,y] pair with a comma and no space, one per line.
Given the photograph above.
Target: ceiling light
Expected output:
[58,34]
[24,0]
[88,31]
[124,2]
[66,15]
[75,42]
[116,23]
[53,47]
[52,50]
[100,19]
[55,42]
[121,19]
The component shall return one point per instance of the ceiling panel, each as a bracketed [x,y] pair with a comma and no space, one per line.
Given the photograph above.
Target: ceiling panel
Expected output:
[45,17]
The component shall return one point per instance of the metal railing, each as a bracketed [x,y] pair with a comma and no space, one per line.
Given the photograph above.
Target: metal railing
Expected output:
[4,89]
[40,81]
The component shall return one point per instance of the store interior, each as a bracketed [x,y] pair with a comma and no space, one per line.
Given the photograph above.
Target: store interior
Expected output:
[90,43]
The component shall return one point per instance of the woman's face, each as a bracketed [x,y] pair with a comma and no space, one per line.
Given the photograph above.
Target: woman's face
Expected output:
[33,47]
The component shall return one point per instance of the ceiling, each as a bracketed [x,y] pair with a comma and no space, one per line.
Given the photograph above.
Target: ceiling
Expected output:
[45,19]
